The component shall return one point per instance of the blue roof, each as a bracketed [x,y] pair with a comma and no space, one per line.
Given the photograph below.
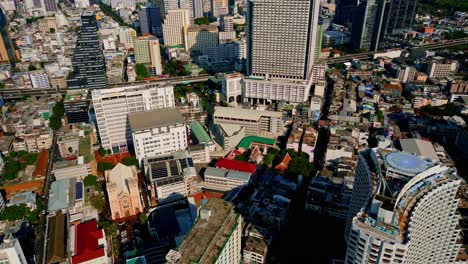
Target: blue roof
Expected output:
[406,162]
[238,175]
[79,191]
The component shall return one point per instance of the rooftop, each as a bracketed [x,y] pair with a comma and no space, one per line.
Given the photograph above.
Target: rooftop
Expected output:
[86,242]
[255,244]
[406,162]
[203,28]
[59,197]
[419,147]
[199,132]
[236,165]
[244,114]
[155,118]
[55,247]
[208,236]
[247,141]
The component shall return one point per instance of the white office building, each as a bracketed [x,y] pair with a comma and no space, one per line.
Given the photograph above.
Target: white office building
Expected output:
[232,87]
[255,122]
[410,218]
[173,26]
[157,132]
[269,91]
[113,105]
[127,37]
[11,251]
[39,80]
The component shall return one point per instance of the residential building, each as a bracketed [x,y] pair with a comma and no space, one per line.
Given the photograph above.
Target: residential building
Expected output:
[199,37]
[114,104]
[150,20]
[198,8]
[77,108]
[190,5]
[395,222]
[173,26]
[267,91]
[219,8]
[255,250]
[255,122]
[284,49]
[11,251]
[439,69]
[224,180]
[169,176]
[147,51]
[7,50]
[127,37]
[50,6]
[227,23]
[88,243]
[232,87]
[218,224]
[39,80]
[123,192]
[89,68]
[157,132]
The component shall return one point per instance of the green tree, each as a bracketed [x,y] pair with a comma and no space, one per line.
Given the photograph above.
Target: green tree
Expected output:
[271,154]
[2,85]
[91,180]
[143,217]
[30,158]
[77,29]
[14,212]
[202,21]
[52,30]
[39,203]
[70,149]
[10,171]
[102,151]
[141,71]
[58,111]
[109,152]
[32,67]
[103,166]
[16,69]
[98,202]
[457,34]
[299,165]
[130,161]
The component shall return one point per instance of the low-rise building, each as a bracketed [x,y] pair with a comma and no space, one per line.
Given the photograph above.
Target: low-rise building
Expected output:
[224,180]
[11,251]
[88,243]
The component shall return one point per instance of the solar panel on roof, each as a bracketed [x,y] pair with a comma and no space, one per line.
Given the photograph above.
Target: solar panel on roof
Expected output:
[174,168]
[79,191]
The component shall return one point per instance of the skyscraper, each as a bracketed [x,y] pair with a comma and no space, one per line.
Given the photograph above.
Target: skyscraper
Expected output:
[150,20]
[173,28]
[281,40]
[190,5]
[89,69]
[410,214]
[402,15]
[368,24]
[7,51]
[219,8]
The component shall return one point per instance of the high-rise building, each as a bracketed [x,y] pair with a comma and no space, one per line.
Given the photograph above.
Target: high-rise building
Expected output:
[407,210]
[190,5]
[281,39]
[368,24]
[173,27]
[215,238]
[7,51]
[198,8]
[11,251]
[227,23]
[147,51]
[402,15]
[113,105]
[199,37]
[150,20]
[127,37]
[157,132]
[219,8]
[89,68]
[50,6]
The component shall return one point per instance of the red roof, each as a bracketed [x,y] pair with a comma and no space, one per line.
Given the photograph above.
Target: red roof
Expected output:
[42,162]
[86,242]
[283,166]
[205,195]
[236,165]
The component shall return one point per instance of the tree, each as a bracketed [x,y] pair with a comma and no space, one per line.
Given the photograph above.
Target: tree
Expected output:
[16,69]
[98,202]
[2,85]
[102,151]
[14,212]
[271,154]
[103,166]
[202,21]
[52,30]
[130,161]
[141,71]
[30,158]
[77,29]
[10,171]
[143,217]
[32,67]
[109,152]
[91,180]
[58,111]
[299,165]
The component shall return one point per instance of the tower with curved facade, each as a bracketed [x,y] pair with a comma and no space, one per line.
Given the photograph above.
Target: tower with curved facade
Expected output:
[410,215]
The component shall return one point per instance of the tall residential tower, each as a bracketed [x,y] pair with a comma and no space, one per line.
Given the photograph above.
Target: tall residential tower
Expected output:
[89,68]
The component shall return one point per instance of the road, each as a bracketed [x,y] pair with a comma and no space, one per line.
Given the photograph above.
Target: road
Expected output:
[41,227]
[368,55]
[14,94]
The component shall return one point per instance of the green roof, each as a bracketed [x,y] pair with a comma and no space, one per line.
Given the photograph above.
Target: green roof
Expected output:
[199,132]
[247,141]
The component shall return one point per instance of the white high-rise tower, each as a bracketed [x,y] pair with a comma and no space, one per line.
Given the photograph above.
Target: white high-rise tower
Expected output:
[410,215]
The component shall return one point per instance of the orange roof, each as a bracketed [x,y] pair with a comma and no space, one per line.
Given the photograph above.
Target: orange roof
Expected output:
[42,162]
[205,195]
[35,186]
[393,86]
[284,163]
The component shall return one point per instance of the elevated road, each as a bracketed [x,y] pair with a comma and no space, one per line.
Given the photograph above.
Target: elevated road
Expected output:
[370,54]
[15,94]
